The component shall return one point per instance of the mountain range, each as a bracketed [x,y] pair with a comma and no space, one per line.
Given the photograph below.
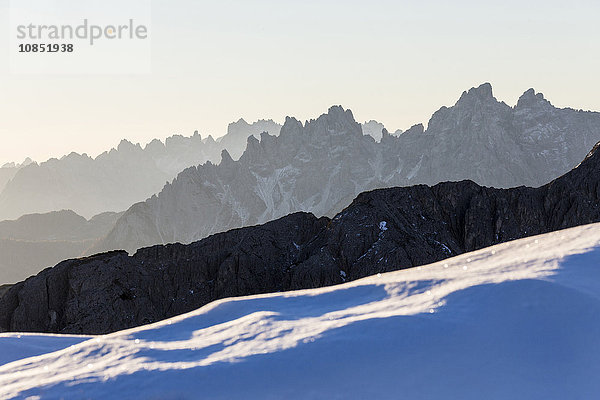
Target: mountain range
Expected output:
[118,178]
[321,165]
[318,167]
[381,231]
[115,179]
[27,254]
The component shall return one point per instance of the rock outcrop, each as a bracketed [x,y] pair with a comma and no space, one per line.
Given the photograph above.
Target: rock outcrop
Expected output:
[382,230]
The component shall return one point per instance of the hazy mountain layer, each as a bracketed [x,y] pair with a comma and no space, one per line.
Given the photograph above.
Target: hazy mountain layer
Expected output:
[238,133]
[375,129]
[321,165]
[6,174]
[9,170]
[114,180]
[383,230]
[37,241]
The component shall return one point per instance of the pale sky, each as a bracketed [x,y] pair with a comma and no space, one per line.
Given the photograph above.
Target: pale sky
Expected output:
[216,61]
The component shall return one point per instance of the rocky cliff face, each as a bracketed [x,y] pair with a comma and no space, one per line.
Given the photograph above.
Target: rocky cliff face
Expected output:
[320,166]
[496,145]
[382,230]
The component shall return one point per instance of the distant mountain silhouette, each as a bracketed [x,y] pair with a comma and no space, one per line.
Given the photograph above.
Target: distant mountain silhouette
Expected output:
[37,241]
[114,180]
[9,170]
[375,129]
[238,132]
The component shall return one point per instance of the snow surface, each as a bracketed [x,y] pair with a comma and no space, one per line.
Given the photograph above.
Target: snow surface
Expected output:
[517,321]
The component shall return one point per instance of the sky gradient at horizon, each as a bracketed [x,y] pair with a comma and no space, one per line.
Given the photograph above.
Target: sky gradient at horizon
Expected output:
[393,61]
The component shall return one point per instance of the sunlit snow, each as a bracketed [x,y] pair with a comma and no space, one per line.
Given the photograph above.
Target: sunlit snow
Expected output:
[519,320]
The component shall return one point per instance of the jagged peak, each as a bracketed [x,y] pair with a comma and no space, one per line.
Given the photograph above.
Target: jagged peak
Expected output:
[252,139]
[209,139]
[268,121]
[155,144]
[127,145]
[25,163]
[265,136]
[530,97]
[291,127]
[226,158]
[292,121]
[338,110]
[75,156]
[338,115]
[417,129]
[372,121]
[481,93]
[234,128]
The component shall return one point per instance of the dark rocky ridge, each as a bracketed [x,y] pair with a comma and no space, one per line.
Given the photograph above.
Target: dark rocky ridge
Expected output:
[382,230]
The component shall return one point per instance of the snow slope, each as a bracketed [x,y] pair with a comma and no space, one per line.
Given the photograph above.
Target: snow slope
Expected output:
[519,320]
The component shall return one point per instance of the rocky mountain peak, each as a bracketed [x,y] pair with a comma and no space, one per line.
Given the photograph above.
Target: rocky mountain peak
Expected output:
[337,121]
[125,145]
[481,93]
[374,128]
[155,146]
[417,129]
[237,127]
[530,98]
[226,157]
[291,127]
[209,139]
